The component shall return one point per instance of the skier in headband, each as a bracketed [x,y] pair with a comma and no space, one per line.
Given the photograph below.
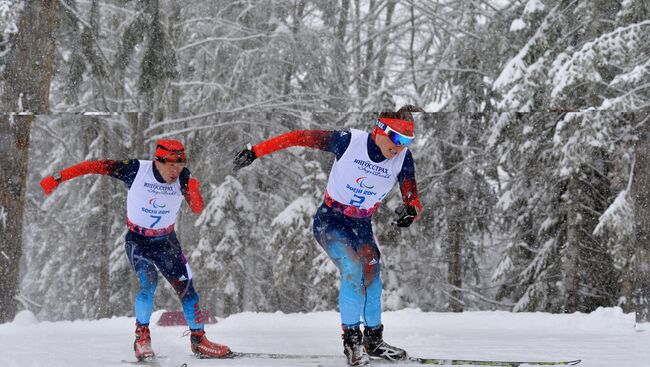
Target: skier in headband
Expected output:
[367,166]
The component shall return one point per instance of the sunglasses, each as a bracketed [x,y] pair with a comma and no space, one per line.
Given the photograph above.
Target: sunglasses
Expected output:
[173,156]
[394,136]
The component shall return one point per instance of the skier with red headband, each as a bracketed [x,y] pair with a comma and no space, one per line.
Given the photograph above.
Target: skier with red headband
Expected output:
[366,168]
[156,191]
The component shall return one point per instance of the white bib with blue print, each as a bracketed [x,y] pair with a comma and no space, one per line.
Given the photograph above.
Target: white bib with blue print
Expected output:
[151,204]
[358,181]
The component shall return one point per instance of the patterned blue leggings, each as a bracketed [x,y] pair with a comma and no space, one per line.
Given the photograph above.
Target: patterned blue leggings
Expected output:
[350,243]
[164,253]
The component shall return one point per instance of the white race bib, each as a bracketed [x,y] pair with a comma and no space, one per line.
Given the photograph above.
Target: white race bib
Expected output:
[151,204]
[358,181]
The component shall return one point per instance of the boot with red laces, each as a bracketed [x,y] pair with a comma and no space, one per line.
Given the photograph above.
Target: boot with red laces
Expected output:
[203,348]
[142,344]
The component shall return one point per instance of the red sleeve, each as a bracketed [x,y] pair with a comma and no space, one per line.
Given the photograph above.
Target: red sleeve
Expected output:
[319,139]
[193,195]
[101,167]
[410,197]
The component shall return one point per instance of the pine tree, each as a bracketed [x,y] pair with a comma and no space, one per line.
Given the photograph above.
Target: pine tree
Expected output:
[222,252]
[294,249]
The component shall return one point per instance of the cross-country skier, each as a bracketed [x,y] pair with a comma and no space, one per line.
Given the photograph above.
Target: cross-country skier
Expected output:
[156,191]
[366,168]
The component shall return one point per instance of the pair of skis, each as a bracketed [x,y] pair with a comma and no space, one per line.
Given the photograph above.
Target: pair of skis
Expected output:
[416,360]
[154,362]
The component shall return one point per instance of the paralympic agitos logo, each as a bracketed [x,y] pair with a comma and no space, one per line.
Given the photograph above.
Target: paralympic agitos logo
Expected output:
[361,182]
[155,205]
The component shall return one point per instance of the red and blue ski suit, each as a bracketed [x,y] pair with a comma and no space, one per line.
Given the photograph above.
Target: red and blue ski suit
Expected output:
[344,230]
[150,248]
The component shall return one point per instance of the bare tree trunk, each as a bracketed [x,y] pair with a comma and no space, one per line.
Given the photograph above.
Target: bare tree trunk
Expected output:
[298,14]
[641,195]
[103,308]
[175,33]
[455,262]
[340,86]
[573,245]
[14,135]
[358,65]
[456,236]
[383,54]
[90,36]
[366,74]
[26,88]
[29,64]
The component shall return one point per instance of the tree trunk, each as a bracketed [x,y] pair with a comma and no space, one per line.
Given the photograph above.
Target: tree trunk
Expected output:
[383,53]
[26,88]
[29,64]
[14,135]
[641,195]
[340,60]
[366,74]
[298,14]
[455,262]
[175,34]
[571,257]
[104,240]
[356,56]
[456,237]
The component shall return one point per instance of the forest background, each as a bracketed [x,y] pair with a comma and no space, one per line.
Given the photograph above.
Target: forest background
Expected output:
[531,157]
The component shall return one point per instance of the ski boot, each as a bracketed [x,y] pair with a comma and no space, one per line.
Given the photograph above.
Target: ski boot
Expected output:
[375,345]
[353,347]
[142,343]
[203,348]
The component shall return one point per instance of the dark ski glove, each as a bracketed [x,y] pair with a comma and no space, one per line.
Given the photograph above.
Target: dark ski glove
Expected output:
[405,215]
[243,158]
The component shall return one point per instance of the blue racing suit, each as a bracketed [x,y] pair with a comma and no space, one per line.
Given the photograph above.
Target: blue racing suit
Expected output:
[350,243]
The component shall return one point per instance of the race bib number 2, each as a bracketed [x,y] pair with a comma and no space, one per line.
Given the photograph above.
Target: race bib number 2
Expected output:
[358,200]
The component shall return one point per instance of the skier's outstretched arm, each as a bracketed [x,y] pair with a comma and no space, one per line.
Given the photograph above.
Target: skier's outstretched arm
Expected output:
[410,211]
[117,169]
[330,141]
[191,189]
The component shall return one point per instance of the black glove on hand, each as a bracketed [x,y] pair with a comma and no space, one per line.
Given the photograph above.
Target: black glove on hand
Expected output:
[243,158]
[405,215]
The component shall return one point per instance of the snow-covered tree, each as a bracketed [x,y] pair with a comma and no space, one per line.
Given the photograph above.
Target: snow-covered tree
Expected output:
[227,259]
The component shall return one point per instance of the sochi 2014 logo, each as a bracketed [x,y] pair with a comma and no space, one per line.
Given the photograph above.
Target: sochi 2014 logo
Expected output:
[155,205]
[361,182]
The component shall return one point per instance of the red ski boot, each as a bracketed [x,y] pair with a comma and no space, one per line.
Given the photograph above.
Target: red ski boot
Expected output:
[142,344]
[203,348]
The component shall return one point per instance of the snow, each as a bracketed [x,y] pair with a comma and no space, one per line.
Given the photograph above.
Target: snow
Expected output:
[533,6]
[295,213]
[25,318]
[517,25]
[505,201]
[3,218]
[605,338]
[619,210]
[512,72]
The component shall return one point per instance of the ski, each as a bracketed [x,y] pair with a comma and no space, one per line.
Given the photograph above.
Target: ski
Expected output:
[152,361]
[280,355]
[291,356]
[411,360]
[148,362]
[470,362]
[144,362]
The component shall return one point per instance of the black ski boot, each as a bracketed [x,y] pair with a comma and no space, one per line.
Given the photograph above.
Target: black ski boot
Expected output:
[353,347]
[376,346]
